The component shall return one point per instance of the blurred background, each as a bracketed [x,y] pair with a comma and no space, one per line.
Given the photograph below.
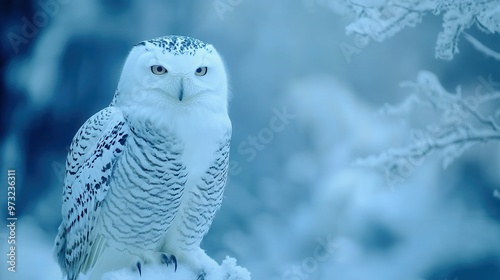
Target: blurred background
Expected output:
[295,207]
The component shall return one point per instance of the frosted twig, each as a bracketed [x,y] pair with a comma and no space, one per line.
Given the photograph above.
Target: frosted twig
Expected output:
[486,121]
[383,19]
[481,47]
[462,126]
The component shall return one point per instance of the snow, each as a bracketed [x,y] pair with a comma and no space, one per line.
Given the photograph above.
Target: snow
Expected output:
[228,270]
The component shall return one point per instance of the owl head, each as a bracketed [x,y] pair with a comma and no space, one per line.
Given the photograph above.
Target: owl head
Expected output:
[173,72]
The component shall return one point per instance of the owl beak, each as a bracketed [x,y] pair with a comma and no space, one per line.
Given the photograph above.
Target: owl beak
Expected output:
[181,90]
[181,94]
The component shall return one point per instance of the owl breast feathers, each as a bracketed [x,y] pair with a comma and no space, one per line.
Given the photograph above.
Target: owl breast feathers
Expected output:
[145,176]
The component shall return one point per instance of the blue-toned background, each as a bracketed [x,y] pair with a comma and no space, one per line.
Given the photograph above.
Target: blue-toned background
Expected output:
[296,188]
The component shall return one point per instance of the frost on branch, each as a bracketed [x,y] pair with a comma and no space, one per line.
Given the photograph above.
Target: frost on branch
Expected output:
[380,19]
[464,122]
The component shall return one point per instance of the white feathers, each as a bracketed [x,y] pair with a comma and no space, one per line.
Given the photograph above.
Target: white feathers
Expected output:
[146,175]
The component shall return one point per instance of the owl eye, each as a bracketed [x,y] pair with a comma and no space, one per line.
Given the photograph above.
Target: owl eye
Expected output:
[201,71]
[158,70]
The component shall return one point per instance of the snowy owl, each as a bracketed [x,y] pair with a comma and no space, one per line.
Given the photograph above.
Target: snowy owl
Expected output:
[145,176]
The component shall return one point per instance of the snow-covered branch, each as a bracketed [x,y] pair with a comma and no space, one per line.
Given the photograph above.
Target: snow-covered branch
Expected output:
[464,122]
[228,270]
[380,20]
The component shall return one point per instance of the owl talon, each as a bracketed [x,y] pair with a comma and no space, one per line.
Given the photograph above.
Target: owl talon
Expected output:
[167,260]
[139,268]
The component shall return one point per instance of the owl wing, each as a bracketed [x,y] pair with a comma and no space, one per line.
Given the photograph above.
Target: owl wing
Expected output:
[214,181]
[93,153]
[211,190]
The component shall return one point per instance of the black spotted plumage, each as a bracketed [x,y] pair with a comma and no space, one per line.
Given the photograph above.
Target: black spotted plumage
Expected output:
[94,147]
[178,45]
